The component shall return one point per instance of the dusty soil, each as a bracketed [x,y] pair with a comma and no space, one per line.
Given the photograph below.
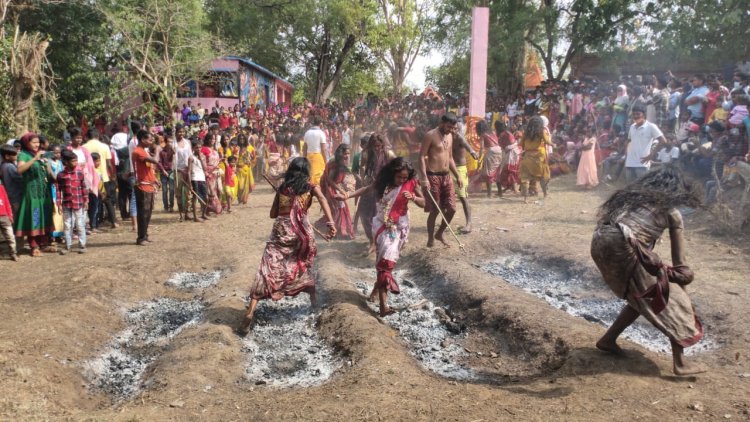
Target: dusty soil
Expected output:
[528,360]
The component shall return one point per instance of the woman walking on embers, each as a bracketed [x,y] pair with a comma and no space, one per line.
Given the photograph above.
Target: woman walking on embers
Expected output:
[631,221]
[394,188]
[285,267]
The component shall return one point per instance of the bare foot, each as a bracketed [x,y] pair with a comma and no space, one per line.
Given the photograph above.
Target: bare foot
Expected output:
[466,229]
[245,327]
[439,238]
[610,347]
[430,243]
[371,249]
[387,311]
[373,296]
[688,369]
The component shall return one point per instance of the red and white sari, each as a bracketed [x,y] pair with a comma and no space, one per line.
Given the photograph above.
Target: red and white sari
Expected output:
[391,227]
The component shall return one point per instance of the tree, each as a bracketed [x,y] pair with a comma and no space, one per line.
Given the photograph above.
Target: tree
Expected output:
[81,52]
[163,44]
[262,44]
[324,36]
[397,37]
[580,24]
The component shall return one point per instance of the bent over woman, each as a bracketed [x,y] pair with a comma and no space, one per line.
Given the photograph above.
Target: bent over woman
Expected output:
[631,221]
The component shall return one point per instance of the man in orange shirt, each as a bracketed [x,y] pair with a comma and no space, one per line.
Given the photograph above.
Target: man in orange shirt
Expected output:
[146,183]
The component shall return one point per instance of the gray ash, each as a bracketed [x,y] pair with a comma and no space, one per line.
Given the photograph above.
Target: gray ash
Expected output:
[582,296]
[120,370]
[284,347]
[189,281]
[432,336]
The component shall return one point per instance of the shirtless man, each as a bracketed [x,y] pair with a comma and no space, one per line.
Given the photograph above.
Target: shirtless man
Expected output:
[436,164]
[460,147]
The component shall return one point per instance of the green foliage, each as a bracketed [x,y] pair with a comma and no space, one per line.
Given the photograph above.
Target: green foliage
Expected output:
[162,43]
[250,31]
[719,30]
[397,36]
[6,108]
[81,53]
[450,78]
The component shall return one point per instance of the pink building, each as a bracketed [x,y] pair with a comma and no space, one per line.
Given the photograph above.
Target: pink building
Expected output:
[232,80]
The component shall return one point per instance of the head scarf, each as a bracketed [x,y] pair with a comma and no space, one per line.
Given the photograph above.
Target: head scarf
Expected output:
[26,142]
[624,90]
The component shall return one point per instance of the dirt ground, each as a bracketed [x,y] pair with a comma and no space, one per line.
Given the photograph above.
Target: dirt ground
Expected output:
[536,362]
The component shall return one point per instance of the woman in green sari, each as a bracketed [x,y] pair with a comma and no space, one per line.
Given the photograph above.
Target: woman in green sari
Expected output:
[34,219]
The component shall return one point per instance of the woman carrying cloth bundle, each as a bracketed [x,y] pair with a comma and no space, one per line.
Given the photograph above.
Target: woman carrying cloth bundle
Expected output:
[285,267]
[631,221]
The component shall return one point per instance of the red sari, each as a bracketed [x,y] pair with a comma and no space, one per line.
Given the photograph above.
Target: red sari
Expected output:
[391,227]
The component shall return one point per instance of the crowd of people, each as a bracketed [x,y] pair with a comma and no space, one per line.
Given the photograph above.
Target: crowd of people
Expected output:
[385,154]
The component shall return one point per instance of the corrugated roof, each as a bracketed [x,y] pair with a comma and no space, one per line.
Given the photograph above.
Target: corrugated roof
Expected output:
[259,67]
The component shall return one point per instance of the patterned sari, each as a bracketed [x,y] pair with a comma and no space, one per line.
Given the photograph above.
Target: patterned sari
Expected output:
[285,267]
[213,181]
[391,228]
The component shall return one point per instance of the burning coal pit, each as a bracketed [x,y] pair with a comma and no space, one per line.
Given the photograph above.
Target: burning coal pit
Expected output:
[120,370]
[434,338]
[190,281]
[284,347]
[581,296]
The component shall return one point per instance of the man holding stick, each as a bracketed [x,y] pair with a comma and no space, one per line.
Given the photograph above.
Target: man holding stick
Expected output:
[436,166]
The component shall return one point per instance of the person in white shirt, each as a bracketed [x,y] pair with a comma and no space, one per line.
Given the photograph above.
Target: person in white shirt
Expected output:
[643,136]
[316,151]
[668,152]
[120,139]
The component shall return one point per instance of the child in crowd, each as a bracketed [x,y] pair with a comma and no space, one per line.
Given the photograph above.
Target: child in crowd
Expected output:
[6,222]
[198,180]
[739,112]
[230,183]
[73,200]
[56,165]
[95,197]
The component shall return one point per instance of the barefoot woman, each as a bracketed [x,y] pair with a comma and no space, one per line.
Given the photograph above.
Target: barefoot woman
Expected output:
[285,267]
[394,188]
[631,222]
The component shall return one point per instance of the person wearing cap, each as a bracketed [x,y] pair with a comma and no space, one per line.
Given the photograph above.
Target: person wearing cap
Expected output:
[642,138]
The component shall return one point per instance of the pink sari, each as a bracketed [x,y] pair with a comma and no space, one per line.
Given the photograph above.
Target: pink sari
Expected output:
[391,227]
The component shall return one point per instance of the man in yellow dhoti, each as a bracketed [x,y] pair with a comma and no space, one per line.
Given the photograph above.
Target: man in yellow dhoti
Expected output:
[315,151]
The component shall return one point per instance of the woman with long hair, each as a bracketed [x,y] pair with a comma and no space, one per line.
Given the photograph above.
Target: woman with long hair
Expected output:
[508,179]
[630,223]
[285,267]
[534,167]
[34,218]
[374,158]
[337,179]
[394,188]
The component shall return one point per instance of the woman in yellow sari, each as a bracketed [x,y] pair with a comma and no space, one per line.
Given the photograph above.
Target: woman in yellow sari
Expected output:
[245,163]
[534,167]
